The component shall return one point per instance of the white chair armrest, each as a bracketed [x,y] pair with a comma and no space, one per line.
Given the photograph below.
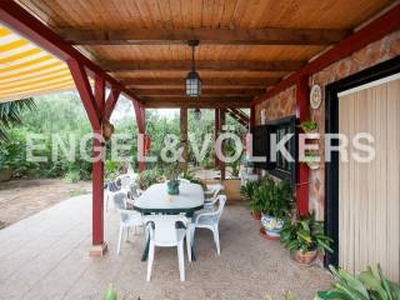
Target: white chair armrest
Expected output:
[205,214]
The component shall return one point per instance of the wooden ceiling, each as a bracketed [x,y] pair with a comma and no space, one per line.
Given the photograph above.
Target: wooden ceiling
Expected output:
[245,45]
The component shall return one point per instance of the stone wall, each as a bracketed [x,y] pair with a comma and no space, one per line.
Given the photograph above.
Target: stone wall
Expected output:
[284,103]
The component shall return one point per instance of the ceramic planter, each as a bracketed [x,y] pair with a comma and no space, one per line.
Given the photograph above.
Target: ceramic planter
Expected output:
[305,258]
[272,225]
[173,187]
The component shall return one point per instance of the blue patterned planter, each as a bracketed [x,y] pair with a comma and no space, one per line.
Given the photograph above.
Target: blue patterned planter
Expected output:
[272,226]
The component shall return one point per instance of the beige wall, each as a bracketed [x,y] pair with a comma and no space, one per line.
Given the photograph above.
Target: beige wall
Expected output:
[284,103]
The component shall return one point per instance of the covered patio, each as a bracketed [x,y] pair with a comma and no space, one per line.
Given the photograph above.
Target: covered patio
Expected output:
[262,56]
[45,257]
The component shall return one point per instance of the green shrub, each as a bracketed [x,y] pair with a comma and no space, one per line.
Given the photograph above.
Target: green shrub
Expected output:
[72,176]
[149,177]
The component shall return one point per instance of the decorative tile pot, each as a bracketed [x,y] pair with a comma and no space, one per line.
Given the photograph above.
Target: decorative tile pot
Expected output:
[272,225]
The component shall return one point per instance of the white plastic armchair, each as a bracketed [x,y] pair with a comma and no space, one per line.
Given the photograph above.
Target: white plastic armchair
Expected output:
[213,191]
[163,233]
[209,220]
[112,192]
[127,219]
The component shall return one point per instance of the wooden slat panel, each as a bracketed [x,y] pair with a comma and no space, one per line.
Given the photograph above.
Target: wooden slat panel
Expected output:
[116,14]
[369,194]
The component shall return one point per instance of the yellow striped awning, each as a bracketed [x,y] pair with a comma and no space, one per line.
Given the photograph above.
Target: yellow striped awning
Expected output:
[27,70]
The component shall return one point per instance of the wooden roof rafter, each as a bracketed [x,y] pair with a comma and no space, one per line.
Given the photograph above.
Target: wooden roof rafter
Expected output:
[207,65]
[266,36]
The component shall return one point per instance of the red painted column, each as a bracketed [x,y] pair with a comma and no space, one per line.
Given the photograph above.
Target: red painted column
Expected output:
[303,172]
[217,130]
[142,133]
[94,104]
[98,172]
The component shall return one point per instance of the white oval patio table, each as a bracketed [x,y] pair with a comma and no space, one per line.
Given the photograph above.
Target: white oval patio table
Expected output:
[155,200]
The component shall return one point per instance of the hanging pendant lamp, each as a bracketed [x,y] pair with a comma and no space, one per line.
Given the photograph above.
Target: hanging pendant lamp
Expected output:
[193,81]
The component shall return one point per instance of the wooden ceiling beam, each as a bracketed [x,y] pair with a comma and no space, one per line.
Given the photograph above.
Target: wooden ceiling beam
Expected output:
[206,82]
[197,103]
[205,65]
[267,36]
[205,92]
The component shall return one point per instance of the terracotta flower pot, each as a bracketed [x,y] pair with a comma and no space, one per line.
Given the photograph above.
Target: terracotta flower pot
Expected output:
[305,258]
[256,215]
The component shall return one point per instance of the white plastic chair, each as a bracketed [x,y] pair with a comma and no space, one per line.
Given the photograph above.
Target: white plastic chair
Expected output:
[164,233]
[214,191]
[112,192]
[127,219]
[209,220]
[124,180]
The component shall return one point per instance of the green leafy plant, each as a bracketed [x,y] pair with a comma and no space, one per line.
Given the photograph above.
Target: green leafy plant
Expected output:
[247,190]
[305,234]
[111,293]
[111,168]
[10,115]
[149,177]
[308,126]
[277,198]
[367,286]
[73,176]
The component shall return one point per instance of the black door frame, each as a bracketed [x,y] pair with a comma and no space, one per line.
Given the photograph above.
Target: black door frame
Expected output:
[374,73]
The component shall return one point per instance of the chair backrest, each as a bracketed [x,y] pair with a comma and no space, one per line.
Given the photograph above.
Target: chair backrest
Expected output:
[111,186]
[217,189]
[124,180]
[221,199]
[135,191]
[164,233]
[119,199]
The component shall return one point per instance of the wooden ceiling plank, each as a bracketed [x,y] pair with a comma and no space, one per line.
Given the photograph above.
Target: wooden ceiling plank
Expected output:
[208,65]
[267,36]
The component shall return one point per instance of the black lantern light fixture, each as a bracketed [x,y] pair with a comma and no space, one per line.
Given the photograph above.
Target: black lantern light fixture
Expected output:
[193,81]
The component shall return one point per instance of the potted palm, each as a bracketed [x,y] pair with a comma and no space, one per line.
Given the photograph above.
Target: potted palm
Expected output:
[278,205]
[304,237]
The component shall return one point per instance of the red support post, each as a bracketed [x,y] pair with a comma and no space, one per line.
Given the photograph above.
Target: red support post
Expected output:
[222,118]
[140,119]
[95,107]
[217,130]
[111,102]
[303,172]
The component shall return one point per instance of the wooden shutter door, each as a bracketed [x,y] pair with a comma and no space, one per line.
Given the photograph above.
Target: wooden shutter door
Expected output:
[369,193]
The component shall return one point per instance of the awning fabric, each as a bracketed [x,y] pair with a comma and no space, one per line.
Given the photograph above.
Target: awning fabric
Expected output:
[27,70]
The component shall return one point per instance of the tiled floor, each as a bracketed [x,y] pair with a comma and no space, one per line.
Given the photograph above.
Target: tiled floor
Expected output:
[46,257]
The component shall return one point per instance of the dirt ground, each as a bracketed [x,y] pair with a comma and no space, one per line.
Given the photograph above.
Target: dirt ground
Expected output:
[21,198]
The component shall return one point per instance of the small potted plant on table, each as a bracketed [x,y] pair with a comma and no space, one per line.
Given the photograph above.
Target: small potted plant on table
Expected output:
[172,175]
[304,237]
